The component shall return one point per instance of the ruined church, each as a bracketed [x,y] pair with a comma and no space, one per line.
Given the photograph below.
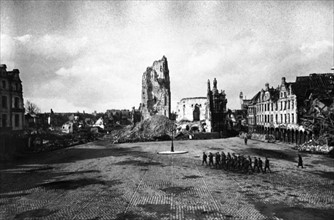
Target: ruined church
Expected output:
[156,95]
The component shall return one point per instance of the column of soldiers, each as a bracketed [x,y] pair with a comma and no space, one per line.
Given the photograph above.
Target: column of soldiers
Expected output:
[233,162]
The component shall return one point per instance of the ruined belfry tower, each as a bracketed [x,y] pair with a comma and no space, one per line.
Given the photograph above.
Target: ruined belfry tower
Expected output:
[216,108]
[156,97]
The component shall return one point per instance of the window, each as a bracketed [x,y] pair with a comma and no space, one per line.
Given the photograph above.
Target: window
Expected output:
[4,101]
[285,118]
[276,118]
[288,118]
[4,84]
[292,104]
[4,120]
[271,118]
[16,102]
[292,118]
[17,120]
[281,118]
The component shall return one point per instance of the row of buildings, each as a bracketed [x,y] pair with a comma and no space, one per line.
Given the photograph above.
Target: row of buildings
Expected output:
[293,112]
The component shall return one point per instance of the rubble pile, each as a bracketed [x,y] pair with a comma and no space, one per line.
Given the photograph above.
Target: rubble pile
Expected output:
[48,141]
[315,146]
[157,127]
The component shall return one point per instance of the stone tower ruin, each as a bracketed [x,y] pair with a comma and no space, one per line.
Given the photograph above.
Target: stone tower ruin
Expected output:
[156,97]
[216,118]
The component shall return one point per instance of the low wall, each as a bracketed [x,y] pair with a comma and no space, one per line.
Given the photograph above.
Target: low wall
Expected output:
[206,135]
[11,145]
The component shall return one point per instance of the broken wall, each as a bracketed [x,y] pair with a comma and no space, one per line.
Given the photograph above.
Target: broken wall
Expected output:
[156,95]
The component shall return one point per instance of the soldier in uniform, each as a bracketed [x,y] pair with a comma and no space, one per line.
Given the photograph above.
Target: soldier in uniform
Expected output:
[217,160]
[260,168]
[266,165]
[256,165]
[210,159]
[250,162]
[204,159]
[223,160]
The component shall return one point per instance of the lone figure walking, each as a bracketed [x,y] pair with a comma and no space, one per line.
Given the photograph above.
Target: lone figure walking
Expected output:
[300,161]
[246,138]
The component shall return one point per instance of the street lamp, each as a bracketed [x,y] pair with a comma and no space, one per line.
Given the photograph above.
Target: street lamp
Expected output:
[172,146]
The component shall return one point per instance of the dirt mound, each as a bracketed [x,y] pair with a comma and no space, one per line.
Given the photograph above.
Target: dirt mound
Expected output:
[157,127]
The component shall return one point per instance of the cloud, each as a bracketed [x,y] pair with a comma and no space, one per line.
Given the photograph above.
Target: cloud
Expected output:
[24,38]
[314,49]
[7,50]
[52,46]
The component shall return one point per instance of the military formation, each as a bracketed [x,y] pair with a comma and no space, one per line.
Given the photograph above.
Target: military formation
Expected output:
[233,162]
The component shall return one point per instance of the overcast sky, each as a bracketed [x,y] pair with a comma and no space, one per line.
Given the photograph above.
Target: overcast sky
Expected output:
[90,55]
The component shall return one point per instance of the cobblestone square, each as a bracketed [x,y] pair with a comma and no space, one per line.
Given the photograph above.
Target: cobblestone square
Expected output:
[131,181]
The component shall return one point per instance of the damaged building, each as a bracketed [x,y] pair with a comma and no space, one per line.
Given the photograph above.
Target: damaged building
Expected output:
[210,111]
[216,109]
[294,112]
[192,109]
[156,95]
[11,108]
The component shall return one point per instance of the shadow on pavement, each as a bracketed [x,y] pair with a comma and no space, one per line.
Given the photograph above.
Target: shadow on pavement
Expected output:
[36,170]
[276,154]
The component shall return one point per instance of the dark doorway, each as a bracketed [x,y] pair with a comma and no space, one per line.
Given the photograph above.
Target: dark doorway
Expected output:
[196,113]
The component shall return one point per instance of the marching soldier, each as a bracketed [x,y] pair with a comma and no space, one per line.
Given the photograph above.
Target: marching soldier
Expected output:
[204,159]
[223,160]
[256,165]
[266,165]
[210,159]
[260,165]
[217,160]
[250,162]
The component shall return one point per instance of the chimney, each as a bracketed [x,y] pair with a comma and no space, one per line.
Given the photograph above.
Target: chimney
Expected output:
[283,80]
[267,86]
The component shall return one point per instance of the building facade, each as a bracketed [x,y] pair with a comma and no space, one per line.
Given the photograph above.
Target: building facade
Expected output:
[192,109]
[280,111]
[12,107]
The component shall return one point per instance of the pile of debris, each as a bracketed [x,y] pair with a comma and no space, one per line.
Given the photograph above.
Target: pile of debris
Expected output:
[315,146]
[157,127]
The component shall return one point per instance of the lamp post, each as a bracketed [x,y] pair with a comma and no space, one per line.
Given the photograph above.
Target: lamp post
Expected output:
[172,146]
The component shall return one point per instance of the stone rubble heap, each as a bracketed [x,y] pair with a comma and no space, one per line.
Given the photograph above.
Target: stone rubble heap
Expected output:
[157,127]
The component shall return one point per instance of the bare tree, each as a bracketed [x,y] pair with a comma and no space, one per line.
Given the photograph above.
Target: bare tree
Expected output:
[32,108]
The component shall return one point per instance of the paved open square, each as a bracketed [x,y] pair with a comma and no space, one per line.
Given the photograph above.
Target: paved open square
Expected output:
[101,180]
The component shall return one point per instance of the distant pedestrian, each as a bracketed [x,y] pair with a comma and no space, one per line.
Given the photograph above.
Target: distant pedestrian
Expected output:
[246,138]
[300,161]
[204,159]
[211,159]
[266,165]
